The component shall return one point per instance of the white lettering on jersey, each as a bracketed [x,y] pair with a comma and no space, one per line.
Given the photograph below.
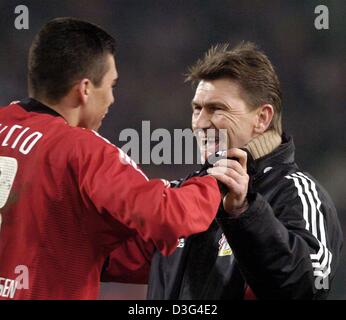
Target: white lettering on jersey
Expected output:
[25,147]
[9,134]
[25,142]
[8,287]
[8,171]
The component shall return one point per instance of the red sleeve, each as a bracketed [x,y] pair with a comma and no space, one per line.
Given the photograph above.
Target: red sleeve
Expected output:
[112,182]
[129,262]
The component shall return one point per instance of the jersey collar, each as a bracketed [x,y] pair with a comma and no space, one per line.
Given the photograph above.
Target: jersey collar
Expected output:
[32,105]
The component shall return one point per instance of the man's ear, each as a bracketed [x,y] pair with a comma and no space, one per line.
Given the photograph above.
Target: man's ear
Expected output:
[264,117]
[83,89]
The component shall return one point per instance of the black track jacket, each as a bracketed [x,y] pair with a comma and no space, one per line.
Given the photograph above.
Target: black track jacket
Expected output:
[285,246]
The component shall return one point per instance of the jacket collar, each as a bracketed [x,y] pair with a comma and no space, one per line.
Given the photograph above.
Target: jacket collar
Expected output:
[283,154]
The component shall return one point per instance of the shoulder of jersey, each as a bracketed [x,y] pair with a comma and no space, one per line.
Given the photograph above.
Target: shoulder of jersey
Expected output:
[90,136]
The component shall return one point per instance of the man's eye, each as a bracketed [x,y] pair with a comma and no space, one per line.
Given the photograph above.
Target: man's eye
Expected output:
[216,108]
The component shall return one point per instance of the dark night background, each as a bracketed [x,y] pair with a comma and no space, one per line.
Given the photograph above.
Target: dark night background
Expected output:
[158,40]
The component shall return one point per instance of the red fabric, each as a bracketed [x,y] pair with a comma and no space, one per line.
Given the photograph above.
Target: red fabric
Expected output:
[249,294]
[76,198]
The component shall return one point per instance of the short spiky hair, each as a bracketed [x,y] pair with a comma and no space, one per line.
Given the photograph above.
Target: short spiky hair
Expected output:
[67,50]
[250,68]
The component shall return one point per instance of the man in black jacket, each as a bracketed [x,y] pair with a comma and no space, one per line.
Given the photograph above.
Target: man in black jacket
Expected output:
[277,234]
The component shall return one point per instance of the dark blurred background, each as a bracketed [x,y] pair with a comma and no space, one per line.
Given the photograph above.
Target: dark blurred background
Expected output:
[158,39]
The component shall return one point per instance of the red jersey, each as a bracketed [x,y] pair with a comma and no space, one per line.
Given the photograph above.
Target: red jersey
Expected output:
[68,198]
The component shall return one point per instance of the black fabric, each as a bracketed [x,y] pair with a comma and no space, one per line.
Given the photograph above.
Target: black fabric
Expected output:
[32,105]
[271,243]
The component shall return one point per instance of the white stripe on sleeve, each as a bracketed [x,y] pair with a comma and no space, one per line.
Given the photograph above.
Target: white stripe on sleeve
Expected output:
[314,221]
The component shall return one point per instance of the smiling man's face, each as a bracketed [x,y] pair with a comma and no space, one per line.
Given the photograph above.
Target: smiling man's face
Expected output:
[218,104]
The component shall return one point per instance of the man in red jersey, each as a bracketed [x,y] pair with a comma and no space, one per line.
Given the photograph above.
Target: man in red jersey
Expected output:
[68,197]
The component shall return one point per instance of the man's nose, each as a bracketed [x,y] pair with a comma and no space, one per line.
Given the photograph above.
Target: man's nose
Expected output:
[203,120]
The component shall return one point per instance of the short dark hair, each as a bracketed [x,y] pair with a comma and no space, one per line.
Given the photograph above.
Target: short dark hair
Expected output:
[64,51]
[250,68]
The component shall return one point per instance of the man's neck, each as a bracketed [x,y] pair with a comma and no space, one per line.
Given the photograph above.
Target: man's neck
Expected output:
[68,111]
